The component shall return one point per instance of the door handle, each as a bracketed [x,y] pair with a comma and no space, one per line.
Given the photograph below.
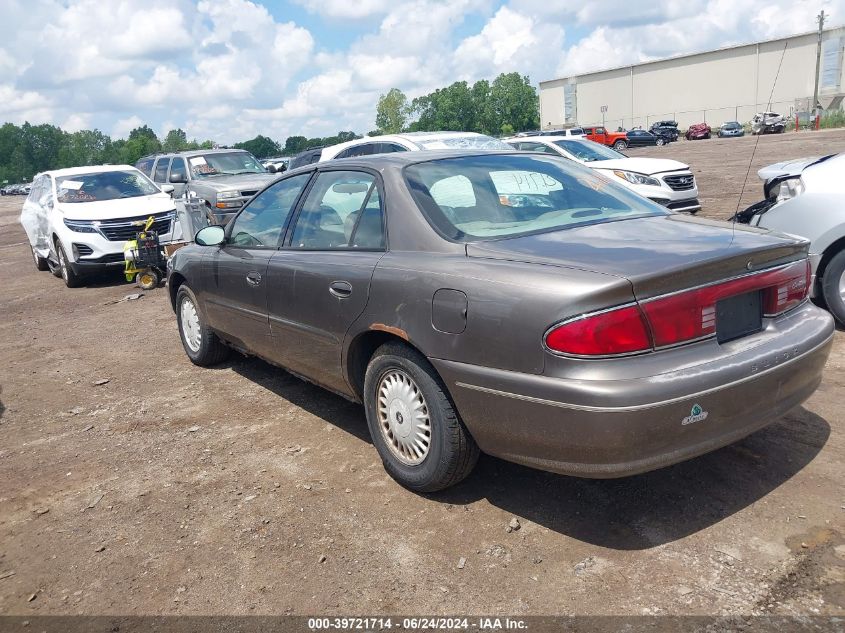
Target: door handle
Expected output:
[253,278]
[340,289]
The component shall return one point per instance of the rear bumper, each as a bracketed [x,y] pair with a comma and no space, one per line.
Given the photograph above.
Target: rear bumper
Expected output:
[615,428]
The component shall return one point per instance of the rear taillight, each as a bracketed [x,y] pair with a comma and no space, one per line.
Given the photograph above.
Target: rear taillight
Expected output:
[791,289]
[619,331]
[678,318]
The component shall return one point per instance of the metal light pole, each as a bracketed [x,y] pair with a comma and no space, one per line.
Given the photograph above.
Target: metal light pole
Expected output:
[820,19]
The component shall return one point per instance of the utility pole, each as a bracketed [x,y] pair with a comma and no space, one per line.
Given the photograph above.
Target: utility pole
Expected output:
[820,19]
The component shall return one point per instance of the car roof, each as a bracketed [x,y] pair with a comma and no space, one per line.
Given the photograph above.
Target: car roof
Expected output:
[86,169]
[413,138]
[398,160]
[194,152]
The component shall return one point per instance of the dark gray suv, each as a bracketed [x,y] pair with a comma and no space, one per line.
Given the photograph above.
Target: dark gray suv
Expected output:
[224,178]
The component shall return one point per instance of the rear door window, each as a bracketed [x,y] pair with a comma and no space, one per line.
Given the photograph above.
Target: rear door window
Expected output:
[335,205]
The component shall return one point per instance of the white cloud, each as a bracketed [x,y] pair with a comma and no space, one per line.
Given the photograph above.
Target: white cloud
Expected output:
[76,122]
[345,9]
[122,128]
[510,41]
[230,69]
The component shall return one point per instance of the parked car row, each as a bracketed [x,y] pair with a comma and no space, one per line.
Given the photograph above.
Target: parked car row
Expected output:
[21,189]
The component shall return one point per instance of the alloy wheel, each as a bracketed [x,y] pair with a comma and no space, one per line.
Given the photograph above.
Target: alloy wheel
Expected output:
[62,262]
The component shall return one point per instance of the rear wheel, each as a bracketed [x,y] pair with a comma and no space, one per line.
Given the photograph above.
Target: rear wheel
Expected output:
[833,287]
[417,432]
[71,279]
[201,344]
[620,145]
[40,262]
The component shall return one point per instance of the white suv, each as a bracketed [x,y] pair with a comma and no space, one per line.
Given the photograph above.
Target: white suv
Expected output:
[78,219]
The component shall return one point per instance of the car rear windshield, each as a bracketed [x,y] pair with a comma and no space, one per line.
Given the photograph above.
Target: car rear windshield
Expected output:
[470,141]
[588,151]
[225,163]
[106,185]
[475,198]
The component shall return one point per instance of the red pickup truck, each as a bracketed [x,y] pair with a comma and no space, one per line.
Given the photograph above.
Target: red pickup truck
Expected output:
[616,140]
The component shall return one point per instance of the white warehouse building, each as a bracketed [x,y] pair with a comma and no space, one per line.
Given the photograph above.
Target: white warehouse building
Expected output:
[728,84]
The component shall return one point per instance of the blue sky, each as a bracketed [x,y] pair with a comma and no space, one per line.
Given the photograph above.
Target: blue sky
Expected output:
[227,70]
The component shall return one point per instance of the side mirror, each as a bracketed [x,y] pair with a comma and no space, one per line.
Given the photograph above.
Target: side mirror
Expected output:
[210,236]
[271,168]
[167,189]
[179,179]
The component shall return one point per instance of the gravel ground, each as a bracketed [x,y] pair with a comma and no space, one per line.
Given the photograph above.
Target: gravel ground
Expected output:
[172,489]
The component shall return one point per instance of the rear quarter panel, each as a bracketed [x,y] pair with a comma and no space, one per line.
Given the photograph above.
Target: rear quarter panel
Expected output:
[510,305]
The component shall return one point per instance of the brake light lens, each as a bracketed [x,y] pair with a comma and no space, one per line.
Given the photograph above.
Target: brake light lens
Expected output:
[791,289]
[619,331]
[679,318]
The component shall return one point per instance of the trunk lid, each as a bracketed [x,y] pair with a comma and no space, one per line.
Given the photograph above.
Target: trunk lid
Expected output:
[657,255]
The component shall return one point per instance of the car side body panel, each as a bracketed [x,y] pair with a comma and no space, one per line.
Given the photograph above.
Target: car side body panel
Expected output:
[479,311]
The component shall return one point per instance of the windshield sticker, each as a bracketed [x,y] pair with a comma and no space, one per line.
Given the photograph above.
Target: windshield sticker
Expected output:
[73,185]
[196,161]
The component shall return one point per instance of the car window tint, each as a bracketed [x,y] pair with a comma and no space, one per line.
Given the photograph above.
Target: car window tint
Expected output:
[387,148]
[146,166]
[161,170]
[454,191]
[178,168]
[368,229]
[260,224]
[331,210]
[521,193]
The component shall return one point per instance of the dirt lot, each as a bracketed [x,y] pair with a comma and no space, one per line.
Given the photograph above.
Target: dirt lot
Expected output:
[242,490]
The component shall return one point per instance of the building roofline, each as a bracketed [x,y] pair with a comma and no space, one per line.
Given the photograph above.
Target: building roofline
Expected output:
[695,54]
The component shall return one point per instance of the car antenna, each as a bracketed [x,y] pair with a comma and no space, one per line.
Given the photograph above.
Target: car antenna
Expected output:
[754,151]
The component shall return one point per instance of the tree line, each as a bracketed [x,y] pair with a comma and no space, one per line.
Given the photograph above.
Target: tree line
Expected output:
[506,105]
[27,149]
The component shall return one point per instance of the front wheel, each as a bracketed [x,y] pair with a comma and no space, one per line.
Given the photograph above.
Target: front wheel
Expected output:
[660,142]
[41,263]
[71,279]
[414,426]
[201,344]
[620,145]
[833,287]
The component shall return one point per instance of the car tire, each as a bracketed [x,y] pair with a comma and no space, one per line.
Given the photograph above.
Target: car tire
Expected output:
[71,279]
[620,145]
[401,382]
[707,136]
[833,287]
[41,263]
[660,142]
[201,344]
